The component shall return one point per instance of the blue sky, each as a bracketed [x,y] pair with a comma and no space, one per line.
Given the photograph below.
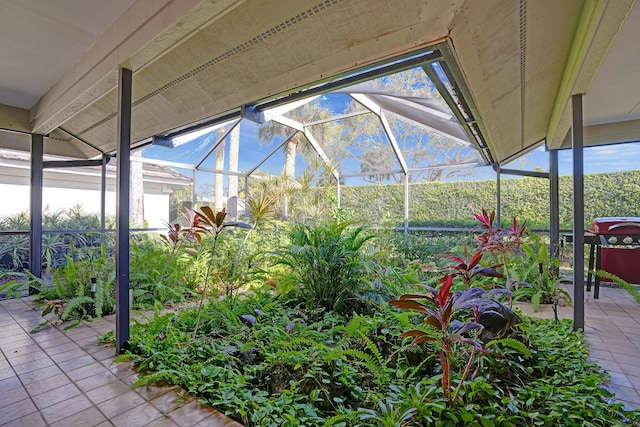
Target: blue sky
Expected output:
[607,158]
[252,150]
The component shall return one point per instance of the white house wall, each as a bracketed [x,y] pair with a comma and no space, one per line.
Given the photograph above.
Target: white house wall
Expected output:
[67,188]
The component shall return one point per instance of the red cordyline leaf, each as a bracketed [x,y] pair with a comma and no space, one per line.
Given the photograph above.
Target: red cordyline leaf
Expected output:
[408,304]
[420,336]
[445,291]
[208,214]
[457,259]
[488,272]
[412,333]
[482,219]
[417,296]
[433,321]
[475,260]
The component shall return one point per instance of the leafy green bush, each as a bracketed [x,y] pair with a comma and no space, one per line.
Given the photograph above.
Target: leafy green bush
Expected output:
[14,248]
[264,363]
[327,266]
[450,203]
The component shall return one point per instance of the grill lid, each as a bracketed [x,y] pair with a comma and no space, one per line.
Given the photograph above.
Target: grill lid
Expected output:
[616,225]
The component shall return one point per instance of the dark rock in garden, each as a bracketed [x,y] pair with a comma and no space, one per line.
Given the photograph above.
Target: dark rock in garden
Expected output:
[251,356]
[499,322]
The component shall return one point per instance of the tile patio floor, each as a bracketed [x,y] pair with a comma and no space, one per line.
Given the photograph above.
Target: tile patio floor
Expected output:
[612,330]
[65,378]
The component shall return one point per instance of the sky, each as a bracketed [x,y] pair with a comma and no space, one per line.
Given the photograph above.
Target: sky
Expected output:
[254,149]
[609,158]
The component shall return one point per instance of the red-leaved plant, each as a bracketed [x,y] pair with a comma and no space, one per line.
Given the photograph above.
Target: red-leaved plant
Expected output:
[206,222]
[450,335]
[468,270]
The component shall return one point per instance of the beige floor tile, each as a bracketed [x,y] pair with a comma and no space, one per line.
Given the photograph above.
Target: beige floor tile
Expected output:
[32,420]
[171,401]
[601,355]
[32,355]
[11,343]
[86,418]
[40,374]
[619,379]
[55,342]
[21,354]
[57,395]
[16,410]
[85,371]
[635,381]
[68,355]
[79,332]
[627,394]
[191,413]
[139,416]
[120,404]
[9,398]
[76,363]
[217,419]
[9,384]
[47,384]
[6,373]
[98,380]
[35,365]
[625,358]
[47,334]
[108,391]
[163,421]
[62,348]
[119,369]
[66,408]
[103,353]
[151,392]
[630,369]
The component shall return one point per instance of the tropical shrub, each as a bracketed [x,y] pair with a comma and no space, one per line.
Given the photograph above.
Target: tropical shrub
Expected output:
[327,266]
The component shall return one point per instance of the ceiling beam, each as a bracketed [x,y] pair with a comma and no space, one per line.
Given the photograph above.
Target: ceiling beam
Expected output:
[15,119]
[600,23]
[147,30]
[608,133]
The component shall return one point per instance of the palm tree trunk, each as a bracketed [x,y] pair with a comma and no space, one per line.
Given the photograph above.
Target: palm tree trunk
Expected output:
[234,147]
[218,190]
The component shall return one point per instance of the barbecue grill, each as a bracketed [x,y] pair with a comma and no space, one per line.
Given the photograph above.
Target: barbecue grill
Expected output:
[616,244]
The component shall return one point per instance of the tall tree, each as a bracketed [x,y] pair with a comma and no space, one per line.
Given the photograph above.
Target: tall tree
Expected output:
[368,144]
[218,189]
[234,148]
[307,113]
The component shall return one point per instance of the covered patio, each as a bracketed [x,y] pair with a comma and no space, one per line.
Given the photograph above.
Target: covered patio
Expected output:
[93,81]
[65,377]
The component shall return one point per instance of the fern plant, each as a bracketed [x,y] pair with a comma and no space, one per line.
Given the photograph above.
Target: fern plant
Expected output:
[325,262]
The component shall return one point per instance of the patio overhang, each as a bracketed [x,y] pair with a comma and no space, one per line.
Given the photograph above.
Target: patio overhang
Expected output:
[194,61]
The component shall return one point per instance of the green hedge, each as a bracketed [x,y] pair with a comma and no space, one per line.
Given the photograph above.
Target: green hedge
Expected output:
[451,203]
